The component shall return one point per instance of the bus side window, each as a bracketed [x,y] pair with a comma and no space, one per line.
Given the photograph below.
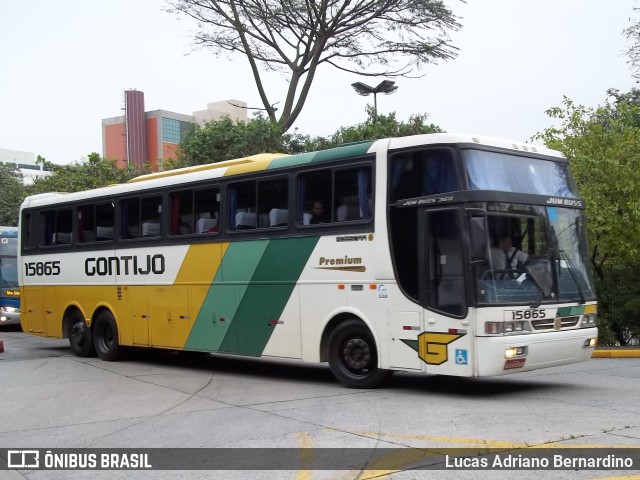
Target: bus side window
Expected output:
[181,214]
[314,190]
[151,210]
[105,222]
[207,210]
[57,227]
[352,192]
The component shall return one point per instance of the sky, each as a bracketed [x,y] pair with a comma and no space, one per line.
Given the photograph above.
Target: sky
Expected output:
[64,66]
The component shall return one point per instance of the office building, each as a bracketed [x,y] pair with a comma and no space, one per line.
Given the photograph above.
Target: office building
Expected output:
[142,138]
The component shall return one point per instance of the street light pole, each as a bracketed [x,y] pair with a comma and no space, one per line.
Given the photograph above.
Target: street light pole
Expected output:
[386,86]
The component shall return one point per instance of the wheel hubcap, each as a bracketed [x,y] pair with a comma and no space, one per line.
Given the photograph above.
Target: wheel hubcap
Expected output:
[356,354]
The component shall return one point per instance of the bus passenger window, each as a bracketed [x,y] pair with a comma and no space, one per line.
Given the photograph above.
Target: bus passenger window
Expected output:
[151,211]
[314,198]
[257,204]
[181,204]
[58,227]
[207,210]
[141,217]
[95,222]
[352,194]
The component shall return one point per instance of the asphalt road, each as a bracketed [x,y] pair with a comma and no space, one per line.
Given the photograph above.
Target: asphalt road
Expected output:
[50,399]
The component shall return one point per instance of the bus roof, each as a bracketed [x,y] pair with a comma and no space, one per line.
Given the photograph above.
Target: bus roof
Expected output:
[268,161]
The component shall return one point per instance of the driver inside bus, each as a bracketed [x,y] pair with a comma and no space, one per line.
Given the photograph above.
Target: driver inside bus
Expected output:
[504,255]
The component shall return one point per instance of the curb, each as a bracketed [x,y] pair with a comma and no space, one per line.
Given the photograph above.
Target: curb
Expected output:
[616,353]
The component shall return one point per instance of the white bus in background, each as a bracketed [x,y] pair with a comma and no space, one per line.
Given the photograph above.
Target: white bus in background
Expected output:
[398,274]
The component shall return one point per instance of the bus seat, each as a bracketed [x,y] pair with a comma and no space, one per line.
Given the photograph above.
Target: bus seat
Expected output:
[306,218]
[348,212]
[87,236]
[204,225]
[151,229]
[245,221]
[279,217]
[104,233]
[62,238]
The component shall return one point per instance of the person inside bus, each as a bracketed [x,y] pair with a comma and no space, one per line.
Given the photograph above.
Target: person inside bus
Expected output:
[318,213]
[504,255]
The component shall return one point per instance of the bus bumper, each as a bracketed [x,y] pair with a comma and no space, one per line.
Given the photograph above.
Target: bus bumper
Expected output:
[9,316]
[520,353]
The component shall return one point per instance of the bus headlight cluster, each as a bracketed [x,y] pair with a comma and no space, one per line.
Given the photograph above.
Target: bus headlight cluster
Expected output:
[515,352]
[589,320]
[496,328]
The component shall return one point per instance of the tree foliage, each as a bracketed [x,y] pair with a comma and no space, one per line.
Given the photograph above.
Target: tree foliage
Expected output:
[83,175]
[384,126]
[12,193]
[223,139]
[368,37]
[633,52]
[603,148]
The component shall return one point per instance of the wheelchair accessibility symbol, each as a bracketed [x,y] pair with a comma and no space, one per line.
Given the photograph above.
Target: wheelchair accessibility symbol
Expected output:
[461,357]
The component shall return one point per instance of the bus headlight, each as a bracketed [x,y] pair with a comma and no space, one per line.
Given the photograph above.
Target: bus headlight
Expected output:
[497,328]
[590,342]
[515,352]
[589,320]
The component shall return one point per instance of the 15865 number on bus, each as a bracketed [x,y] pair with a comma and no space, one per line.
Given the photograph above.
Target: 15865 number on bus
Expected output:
[38,269]
[530,314]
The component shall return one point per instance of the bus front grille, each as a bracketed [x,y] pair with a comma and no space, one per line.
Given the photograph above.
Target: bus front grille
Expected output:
[549,323]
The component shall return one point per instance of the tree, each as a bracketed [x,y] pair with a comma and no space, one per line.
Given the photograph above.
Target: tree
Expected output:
[603,148]
[84,175]
[223,139]
[11,194]
[367,37]
[383,126]
[633,52]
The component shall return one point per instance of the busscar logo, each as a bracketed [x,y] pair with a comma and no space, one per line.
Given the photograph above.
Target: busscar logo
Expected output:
[23,459]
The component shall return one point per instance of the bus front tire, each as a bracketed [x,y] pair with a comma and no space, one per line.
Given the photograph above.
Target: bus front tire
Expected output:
[105,337]
[80,338]
[353,356]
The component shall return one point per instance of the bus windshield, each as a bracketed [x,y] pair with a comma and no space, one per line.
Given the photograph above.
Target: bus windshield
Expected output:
[535,256]
[8,262]
[487,170]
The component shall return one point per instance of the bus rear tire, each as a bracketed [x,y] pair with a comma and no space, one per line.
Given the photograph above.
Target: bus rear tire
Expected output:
[105,337]
[353,356]
[80,338]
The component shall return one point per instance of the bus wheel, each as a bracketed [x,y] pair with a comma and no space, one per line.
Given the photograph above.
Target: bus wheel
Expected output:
[105,337]
[353,357]
[80,337]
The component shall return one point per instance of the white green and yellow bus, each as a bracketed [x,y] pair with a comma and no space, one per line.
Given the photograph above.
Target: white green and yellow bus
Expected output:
[397,273]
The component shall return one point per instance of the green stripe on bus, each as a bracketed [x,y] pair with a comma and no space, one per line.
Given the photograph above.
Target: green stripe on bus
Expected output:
[221,303]
[355,150]
[249,291]
[570,311]
[267,295]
